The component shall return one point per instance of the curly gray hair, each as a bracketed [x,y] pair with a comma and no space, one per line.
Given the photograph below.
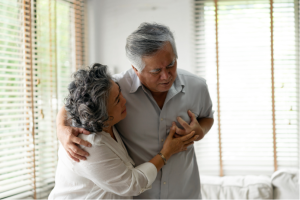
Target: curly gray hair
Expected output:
[146,41]
[86,103]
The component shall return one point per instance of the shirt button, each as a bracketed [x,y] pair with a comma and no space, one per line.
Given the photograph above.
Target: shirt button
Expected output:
[161,119]
[162,140]
[165,183]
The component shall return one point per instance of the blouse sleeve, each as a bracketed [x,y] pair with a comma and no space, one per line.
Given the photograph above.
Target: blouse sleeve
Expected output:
[112,174]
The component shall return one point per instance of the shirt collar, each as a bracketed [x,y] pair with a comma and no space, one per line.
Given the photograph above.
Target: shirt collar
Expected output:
[179,84]
[136,83]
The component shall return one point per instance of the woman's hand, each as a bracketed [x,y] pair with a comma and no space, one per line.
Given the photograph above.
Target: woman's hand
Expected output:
[174,145]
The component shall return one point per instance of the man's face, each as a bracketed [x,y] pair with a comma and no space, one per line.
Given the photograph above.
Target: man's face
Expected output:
[160,71]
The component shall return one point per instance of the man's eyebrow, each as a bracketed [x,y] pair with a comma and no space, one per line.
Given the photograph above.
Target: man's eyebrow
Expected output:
[172,63]
[155,69]
[119,92]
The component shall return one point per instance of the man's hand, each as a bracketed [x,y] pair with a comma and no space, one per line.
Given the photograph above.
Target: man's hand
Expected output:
[200,127]
[67,135]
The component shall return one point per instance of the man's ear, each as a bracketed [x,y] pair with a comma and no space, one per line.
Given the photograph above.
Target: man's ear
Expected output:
[135,70]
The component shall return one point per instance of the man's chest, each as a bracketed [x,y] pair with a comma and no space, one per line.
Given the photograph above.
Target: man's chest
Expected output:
[145,120]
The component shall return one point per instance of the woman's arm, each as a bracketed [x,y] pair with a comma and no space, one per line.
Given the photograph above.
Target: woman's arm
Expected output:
[172,146]
[110,173]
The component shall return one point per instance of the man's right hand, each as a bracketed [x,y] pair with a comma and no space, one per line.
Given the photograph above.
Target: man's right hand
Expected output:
[67,135]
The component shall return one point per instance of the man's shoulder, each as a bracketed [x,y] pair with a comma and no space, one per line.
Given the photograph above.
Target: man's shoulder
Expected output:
[189,78]
[128,74]
[125,78]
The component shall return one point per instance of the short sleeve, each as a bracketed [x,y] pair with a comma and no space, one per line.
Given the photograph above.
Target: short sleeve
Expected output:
[206,103]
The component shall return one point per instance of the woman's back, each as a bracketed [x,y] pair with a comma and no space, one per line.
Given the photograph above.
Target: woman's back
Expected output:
[108,172]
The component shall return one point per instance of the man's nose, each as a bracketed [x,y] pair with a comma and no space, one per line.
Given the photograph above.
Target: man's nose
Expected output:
[164,75]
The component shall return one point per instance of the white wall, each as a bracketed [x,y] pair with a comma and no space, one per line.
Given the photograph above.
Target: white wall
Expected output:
[111,21]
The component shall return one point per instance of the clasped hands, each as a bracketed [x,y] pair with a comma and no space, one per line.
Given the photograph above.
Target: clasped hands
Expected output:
[69,136]
[187,128]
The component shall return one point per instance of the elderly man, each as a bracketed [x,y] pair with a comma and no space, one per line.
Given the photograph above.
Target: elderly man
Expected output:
[158,95]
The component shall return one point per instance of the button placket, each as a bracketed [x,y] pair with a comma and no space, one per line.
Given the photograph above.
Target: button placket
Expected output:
[162,124]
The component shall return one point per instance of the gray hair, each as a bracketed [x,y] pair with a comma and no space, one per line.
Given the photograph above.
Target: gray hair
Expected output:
[146,41]
[86,103]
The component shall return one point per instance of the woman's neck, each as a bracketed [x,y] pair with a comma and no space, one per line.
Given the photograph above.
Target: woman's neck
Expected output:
[110,131]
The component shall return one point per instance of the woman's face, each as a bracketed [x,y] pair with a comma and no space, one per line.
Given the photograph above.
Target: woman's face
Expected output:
[116,104]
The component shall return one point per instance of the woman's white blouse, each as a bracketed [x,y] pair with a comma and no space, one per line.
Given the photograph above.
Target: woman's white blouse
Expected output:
[108,172]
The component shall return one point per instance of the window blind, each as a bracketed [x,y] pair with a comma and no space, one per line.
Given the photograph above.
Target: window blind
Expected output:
[17,126]
[39,49]
[251,65]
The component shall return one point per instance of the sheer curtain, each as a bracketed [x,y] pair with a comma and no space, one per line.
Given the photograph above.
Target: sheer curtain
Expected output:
[248,51]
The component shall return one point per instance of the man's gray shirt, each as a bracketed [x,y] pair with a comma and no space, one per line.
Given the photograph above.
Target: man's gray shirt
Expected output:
[146,127]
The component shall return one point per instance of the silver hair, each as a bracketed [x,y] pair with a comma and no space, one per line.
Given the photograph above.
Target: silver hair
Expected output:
[146,41]
[86,103]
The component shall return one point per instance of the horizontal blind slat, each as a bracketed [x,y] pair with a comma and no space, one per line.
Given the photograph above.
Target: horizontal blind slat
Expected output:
[245,79]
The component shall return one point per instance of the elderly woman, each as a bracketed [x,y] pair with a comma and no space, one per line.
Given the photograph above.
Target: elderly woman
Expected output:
[95,103]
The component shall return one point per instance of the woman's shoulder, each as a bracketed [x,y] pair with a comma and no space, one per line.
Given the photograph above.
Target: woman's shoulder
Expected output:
[94,138]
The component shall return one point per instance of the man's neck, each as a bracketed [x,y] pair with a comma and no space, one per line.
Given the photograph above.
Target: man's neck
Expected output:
[160,98]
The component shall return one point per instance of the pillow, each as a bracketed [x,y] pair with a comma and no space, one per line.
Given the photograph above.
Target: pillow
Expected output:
[236,187]
[286,184]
